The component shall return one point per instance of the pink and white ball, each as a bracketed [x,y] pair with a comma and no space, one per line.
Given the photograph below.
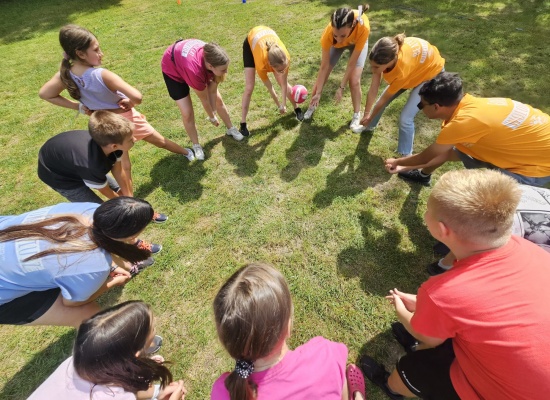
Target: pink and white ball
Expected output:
[299,93]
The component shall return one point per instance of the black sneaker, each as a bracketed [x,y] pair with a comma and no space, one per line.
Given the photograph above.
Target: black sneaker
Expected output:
[140,266]
[403,337]
[414,176]
[441,249]
[378,375]
[434,269]
[160,218]
[299,114]
[244,130]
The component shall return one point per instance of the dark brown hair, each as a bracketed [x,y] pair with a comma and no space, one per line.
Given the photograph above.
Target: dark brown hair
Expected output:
[344,17]
[117,218]
[385,50]
[72,38]
[252,312]
[106,346]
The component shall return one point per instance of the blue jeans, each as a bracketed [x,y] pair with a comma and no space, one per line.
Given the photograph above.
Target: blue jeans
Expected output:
[473,163]
[406,119]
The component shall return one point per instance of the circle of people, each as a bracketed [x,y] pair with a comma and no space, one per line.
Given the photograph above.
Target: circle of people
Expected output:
[462,332]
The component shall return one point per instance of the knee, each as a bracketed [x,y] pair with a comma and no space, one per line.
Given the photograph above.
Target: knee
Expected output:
[355,83]
[406,122]
[188,118]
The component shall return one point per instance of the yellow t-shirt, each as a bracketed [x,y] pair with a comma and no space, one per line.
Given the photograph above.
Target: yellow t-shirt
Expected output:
[506,133]
[417,61]
[258,38]
[358,36]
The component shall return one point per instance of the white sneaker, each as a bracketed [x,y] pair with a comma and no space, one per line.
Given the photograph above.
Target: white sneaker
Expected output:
[235,133]
[199,152]
[355,121]
[190,156]
[357,128]
[309,113]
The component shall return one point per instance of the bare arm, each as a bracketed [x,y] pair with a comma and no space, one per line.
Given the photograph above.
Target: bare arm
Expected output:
[51,92]
[433,155]
[122,178]
[371,112]
[116,83]
[322,76]
[120,279]
[272,93]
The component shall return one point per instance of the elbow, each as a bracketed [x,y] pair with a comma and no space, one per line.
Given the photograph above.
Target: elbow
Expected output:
[42,94]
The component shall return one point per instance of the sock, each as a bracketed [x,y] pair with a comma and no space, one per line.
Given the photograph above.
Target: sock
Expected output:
[423,174]
[243,125]
[443,266]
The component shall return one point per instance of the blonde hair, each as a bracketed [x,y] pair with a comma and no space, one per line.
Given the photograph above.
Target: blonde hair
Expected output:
[107,128]
[385,50]
[275,54]
[252,311]
[477,204]
[216,56]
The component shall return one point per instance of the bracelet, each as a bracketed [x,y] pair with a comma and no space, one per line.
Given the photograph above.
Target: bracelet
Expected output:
[343,87]
[213,119]
[156,392]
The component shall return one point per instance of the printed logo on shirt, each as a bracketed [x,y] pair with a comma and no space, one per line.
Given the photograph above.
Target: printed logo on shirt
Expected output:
[260,35]
[189,45]
[27,248]
[517,116]
[538,120]
[419,47]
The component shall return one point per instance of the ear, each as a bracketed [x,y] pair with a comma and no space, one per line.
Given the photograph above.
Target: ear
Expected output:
[443,229]
[208,66]
[80,54]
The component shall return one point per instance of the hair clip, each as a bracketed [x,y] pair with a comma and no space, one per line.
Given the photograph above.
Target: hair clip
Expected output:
[359,19]
[244,368]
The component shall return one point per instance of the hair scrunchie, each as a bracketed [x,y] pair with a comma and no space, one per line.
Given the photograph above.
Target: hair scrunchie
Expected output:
[244,368]
[66,56]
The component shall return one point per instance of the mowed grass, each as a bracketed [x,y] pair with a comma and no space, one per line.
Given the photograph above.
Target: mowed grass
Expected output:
[311,198]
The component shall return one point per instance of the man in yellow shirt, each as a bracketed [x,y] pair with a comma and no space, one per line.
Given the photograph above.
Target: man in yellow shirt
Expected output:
[494,133]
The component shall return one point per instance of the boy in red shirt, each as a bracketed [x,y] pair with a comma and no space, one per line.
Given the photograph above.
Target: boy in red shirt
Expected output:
[482,325]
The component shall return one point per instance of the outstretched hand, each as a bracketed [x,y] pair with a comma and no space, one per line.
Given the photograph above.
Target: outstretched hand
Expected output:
[338,95]
[315,100]
[406,299]
[125,104]
[391,165]
[174,391]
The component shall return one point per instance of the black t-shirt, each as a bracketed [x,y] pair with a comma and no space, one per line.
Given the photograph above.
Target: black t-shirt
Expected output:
[72,159]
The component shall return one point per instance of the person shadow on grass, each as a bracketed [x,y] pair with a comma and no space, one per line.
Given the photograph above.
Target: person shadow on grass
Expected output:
[381,264]
[244,155]
[177,176]
[356,172]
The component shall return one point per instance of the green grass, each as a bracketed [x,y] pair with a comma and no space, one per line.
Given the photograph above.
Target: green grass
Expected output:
[311,198]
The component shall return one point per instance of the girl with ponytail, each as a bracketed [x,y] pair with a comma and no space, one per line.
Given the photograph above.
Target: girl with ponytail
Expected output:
[404,63]
[264,52]
[348,29]
[253,315]
[57,260]
[111,360]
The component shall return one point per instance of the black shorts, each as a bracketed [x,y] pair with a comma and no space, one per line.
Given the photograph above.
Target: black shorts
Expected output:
[248,58]
[26,309]
[427,372]
[176,90]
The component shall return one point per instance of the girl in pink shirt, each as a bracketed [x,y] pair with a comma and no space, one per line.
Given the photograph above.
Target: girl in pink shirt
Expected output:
[201,66]
[111,360]
[253,314]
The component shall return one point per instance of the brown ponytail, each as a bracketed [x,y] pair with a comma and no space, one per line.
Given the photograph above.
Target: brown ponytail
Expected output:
[345,17]
[385,50]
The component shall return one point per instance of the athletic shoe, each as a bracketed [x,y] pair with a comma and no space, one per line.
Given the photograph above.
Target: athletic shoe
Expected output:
[235,133]
[358,128]
[354,124]
[414,176]
[159,218]
[190,156]
[309,113]
[199,152]
[244,131]
[377,374]
[434,269]
[441,249]
[152,247]
[299,114]
[403,337]
[140,266]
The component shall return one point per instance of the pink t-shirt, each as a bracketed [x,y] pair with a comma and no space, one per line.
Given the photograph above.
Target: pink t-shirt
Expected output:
[65,384]
[315,370]
[494,306]
[188,65]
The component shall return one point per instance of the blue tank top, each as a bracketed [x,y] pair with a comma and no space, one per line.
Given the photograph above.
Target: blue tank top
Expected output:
[94,93]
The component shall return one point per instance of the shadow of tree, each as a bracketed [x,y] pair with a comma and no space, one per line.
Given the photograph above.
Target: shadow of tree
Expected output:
[25,19]
[350,178]
[381,264]
[177,176]
[40,367]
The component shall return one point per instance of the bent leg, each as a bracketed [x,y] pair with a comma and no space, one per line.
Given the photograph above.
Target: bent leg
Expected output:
[60,315]
[188,117]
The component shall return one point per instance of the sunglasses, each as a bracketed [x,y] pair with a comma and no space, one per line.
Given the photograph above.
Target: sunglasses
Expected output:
[422,105]
[155,345]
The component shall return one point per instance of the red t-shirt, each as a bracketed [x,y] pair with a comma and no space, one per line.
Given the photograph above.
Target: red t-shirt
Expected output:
[495,306]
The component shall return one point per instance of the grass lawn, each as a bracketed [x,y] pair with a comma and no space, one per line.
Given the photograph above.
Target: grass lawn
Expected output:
[312,198]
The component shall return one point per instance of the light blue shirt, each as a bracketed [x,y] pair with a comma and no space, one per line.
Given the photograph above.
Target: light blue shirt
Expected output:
[78,275]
